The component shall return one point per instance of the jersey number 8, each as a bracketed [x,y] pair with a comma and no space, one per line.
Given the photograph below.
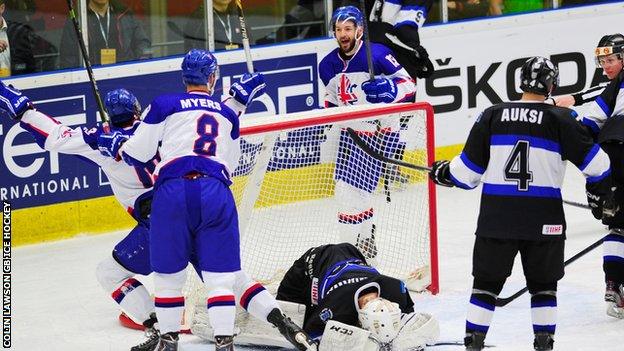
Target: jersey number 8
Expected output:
[208,130]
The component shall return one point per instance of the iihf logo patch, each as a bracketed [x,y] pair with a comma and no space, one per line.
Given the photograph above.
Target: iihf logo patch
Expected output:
[345,91]
[326,314]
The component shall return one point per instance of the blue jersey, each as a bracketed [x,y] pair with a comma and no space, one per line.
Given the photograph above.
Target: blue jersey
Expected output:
[343,78]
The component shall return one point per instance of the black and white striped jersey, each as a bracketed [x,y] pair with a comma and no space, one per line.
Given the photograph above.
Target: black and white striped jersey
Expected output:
[518,151]
[590,94]
[609,103]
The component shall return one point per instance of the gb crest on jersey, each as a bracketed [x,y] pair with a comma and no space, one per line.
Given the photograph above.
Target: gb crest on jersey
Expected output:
[346,92]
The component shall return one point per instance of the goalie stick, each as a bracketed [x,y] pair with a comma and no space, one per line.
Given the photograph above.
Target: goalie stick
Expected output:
[500,302]
[85,57]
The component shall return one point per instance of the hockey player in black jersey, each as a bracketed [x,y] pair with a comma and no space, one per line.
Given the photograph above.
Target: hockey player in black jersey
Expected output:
[336,283]
[518,151]
[602,110]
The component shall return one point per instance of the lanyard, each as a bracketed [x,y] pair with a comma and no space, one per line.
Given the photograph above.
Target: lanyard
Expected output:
[227,28]
[104,34]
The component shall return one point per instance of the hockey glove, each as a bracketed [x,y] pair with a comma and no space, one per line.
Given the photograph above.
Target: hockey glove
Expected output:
[610,206]
[250,86]
[13,103]
[440,173]
[109,144]
[596,196]
[425,66]
[380,90]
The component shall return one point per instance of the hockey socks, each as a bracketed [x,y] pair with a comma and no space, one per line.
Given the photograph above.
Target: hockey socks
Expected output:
[127,292]
[221,303]
[613,256]
[169,300]
[480,311]
[544,311]
[258,301]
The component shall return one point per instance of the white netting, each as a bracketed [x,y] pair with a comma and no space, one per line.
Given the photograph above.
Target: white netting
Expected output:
[285,188]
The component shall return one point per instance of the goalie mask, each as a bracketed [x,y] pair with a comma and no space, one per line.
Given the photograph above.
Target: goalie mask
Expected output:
[539,75]
[382,318]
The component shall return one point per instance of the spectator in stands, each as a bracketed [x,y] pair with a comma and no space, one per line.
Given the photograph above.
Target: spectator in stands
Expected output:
[227,32]
[16,46]
[473,8]
[115,35]
[309,13]
[515,6]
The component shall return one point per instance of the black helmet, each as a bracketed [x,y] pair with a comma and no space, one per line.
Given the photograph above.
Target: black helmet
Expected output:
[610,44]
[539,75]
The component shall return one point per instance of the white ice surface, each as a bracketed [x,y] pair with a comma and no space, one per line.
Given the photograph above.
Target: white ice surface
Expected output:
[58,304]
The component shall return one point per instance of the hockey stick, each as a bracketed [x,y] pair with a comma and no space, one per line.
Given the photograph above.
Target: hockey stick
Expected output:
[500,302]
[244,35]
[378,156]
[94,87]
[576,204]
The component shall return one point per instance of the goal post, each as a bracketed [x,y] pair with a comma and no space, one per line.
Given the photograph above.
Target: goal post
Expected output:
[298,171]
[285,188]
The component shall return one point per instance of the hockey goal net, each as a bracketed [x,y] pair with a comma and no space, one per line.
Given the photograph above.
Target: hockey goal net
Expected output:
[287,195]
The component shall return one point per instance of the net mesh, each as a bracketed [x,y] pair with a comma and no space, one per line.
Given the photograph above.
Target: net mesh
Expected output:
[291,185]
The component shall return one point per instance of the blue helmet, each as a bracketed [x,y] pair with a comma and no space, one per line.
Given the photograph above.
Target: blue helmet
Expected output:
[121,106]
[197,66]
[347,13]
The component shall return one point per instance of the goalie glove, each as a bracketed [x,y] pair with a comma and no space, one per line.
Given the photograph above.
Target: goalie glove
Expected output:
[380,90]
[250,86]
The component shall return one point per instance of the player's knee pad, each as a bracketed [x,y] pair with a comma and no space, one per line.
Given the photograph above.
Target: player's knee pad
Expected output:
[536,288]
[111,274]
[220,282]
[169,284]
[487,287]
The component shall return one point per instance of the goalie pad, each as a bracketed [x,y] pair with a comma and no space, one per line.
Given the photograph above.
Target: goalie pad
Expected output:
[417,331]
[342,337]
[249,330]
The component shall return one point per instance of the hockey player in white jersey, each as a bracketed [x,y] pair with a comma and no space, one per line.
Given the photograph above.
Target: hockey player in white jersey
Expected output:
[517,150]
[602,110]
[193,211]
[131,185]
[344,72]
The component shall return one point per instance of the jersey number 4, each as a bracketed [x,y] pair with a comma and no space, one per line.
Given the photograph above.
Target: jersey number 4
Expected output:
[517,166]
[208,130]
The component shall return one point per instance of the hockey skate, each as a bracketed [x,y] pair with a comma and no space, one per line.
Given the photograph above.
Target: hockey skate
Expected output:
[291,331]
[543,341]
[151,333]
[167,342]
[614,296]
[474,341]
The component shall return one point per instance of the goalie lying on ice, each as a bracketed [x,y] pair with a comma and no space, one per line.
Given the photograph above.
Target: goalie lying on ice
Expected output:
[341,291]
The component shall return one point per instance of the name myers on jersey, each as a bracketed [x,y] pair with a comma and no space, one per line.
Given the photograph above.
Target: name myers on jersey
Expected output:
[521,114]
[200,102]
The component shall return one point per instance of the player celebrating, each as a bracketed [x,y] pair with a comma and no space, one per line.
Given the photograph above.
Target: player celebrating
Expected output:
[396,24]
[337,285]
[518,151]
[193,211]
[132,186]
[344,71]
[603,110]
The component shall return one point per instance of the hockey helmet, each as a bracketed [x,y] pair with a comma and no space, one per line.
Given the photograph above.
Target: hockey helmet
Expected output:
[122,107]
[608,45]
[197,67]
[346,13]
[382,318]
[539,75]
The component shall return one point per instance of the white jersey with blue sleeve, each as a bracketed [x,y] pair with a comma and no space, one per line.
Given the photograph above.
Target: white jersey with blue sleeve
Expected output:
[610,102]
[129,183]
[192,132]
[343,78]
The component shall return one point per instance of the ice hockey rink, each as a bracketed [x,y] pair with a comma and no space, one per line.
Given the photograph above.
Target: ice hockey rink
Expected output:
[58,304]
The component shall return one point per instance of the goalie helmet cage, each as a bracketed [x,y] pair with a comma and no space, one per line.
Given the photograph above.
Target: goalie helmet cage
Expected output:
[285,183]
